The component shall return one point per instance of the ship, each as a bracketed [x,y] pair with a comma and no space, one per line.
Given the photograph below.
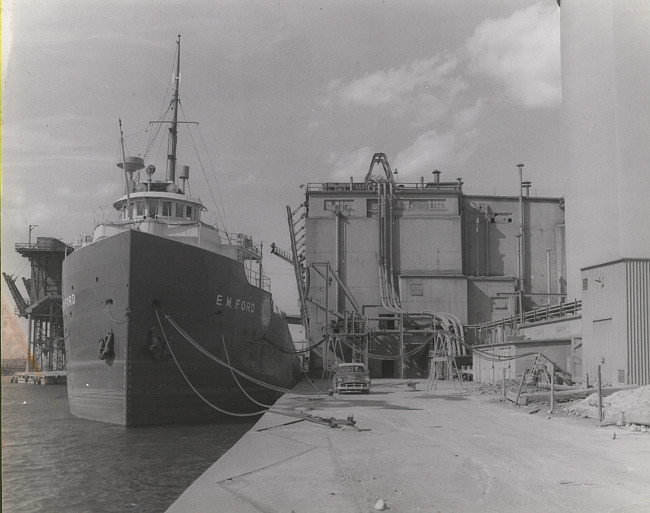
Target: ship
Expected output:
[168,318]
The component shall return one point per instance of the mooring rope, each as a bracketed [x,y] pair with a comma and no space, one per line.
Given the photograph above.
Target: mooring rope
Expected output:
[234,376]
[206,401]
[331,422]
[218,360]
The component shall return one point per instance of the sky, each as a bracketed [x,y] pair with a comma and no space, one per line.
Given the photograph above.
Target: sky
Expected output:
[285,93]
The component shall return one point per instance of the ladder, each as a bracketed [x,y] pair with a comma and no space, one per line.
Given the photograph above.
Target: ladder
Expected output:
[297,234]
[442,353]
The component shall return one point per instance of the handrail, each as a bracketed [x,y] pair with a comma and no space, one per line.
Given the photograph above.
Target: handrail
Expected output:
[43,245]
[360,186]
[482,331]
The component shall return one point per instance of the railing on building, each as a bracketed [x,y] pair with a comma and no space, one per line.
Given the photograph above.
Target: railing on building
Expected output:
[360,186]
[486,333]
[43,244]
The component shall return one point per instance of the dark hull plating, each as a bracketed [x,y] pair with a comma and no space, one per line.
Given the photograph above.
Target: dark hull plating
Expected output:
[118,284]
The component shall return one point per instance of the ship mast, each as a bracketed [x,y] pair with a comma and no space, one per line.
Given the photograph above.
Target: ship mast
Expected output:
[173,130]
[126,173]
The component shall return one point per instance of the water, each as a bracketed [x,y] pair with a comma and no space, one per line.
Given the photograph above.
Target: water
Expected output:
[54,462]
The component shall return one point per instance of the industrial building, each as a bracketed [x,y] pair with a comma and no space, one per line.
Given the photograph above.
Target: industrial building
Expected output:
[43,308]
[502,267]
[385,267]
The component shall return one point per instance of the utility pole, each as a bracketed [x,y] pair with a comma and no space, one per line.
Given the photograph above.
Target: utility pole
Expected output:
[31,227]
[522,260]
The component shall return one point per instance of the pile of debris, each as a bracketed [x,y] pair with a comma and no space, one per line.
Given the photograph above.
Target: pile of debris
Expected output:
[629,408]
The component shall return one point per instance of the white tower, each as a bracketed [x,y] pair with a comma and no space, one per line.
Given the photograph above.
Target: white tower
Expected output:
[606,99]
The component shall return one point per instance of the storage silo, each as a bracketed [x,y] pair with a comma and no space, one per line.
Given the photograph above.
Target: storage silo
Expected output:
[606,101]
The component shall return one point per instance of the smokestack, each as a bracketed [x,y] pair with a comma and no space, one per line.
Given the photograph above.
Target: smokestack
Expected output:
[436,176]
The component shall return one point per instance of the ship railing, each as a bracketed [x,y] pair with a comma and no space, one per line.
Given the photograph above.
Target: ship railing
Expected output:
[258,279]
[248,246]
[82,239]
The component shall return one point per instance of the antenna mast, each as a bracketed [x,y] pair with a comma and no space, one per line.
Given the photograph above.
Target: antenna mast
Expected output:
[173,130]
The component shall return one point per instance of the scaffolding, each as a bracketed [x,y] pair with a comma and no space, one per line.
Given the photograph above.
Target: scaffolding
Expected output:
[43,309]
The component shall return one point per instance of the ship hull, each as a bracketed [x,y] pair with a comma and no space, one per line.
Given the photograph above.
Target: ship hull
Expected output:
[125,298]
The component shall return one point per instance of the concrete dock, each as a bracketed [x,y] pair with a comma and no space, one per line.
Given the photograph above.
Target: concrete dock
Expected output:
[445,450]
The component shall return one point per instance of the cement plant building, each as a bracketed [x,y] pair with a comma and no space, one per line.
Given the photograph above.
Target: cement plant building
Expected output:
[393,255]
[384,268]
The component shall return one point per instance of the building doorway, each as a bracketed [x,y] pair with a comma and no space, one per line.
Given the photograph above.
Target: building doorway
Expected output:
[388,368]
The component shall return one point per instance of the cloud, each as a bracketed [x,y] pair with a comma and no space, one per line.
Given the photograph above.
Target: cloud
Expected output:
[430,151]
[441,102]
[344,166]
[427,86]
[522,54]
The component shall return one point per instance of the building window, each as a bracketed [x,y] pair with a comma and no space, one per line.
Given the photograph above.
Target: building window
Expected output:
[500,303]
[372,207]
[585,283]
[188,211]
[139,208]
[153,208]
[424,204]
[167,209]
[417,289]
[179,209]
[505,218]
[339,205]
[386,322]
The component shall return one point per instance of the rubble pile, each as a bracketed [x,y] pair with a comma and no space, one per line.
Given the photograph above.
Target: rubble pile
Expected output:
[627,407]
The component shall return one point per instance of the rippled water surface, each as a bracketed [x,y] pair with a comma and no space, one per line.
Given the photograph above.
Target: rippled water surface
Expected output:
[54,462]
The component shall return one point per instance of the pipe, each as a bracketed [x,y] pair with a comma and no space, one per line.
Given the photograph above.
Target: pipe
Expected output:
[487,243]
[381,230]
[337,257]
[520,299]
[522,264]
[401,347]
[346,292]
[391,252]
[548,275]
[390,230]
[327,298]
[478,265]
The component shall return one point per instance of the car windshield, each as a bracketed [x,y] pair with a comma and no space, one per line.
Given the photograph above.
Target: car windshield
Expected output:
[351,368]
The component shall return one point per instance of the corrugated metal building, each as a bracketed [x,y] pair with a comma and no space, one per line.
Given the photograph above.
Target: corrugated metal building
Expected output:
[616,321]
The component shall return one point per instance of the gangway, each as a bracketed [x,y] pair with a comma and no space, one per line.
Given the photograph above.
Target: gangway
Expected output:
[296,258]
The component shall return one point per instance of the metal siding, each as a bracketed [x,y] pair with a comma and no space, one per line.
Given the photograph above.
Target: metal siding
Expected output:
[638,321]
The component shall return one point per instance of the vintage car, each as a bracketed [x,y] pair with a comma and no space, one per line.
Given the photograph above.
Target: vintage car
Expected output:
[351,377]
